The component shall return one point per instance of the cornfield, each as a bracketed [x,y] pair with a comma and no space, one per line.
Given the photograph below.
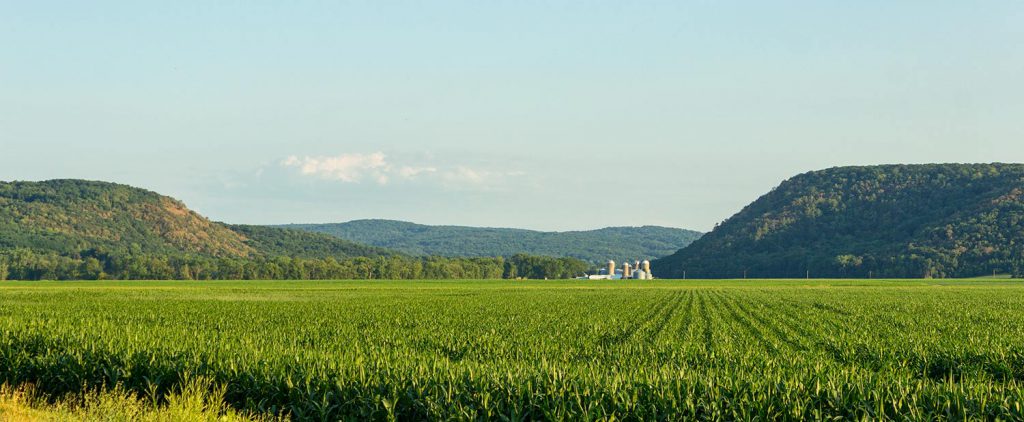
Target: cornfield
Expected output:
[537,350]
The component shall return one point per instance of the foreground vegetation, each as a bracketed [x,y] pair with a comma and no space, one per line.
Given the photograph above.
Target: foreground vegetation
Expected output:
[533,350]
[196,401]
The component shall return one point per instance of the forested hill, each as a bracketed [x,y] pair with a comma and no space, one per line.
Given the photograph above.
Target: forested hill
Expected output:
[941,220]
[76,229]
[72,216]
[592,246]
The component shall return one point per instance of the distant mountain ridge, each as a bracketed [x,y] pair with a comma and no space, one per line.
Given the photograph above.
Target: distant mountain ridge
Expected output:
[935,220]
[70,216]
[592,246]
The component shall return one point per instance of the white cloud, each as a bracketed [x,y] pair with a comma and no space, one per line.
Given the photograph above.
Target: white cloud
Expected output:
[349,168]
[464,175]
[376,167]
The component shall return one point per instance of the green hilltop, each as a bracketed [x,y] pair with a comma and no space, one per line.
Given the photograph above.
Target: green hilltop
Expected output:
[591,246]
[936,220]
[71,216]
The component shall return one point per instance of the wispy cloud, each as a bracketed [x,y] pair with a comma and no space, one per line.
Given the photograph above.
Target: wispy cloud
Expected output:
[414,172]
[465,175]
[378,168]
[349,168]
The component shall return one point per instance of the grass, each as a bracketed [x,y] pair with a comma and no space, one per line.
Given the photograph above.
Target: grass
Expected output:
[526,350]
[196,400]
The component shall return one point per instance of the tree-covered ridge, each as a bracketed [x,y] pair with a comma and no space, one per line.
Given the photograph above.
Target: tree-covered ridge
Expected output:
[938,220]
[68,216]
[592,246]
[75,229]
[272,241]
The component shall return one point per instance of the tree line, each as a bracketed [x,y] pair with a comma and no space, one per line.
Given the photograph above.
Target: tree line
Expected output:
[27,264]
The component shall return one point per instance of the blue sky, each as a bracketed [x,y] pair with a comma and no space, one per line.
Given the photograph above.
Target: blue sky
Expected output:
[535,114]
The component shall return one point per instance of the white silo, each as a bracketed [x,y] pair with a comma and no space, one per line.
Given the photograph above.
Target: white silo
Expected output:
[611,268]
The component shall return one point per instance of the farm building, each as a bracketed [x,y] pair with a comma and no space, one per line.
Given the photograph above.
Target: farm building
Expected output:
[639,270]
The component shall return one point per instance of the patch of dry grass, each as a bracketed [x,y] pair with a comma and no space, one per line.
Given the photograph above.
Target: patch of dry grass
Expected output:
[195,401]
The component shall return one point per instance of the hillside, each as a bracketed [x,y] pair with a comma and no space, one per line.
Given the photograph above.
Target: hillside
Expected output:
[592,246]
[85,230]
[271,241]
[68,217]
[941,220]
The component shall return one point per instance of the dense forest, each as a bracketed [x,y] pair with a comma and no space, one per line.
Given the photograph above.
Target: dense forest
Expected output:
[595,246]
[75,229]
[949,220]
[25,264]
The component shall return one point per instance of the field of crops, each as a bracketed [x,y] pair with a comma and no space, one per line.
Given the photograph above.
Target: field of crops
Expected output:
[534,350]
